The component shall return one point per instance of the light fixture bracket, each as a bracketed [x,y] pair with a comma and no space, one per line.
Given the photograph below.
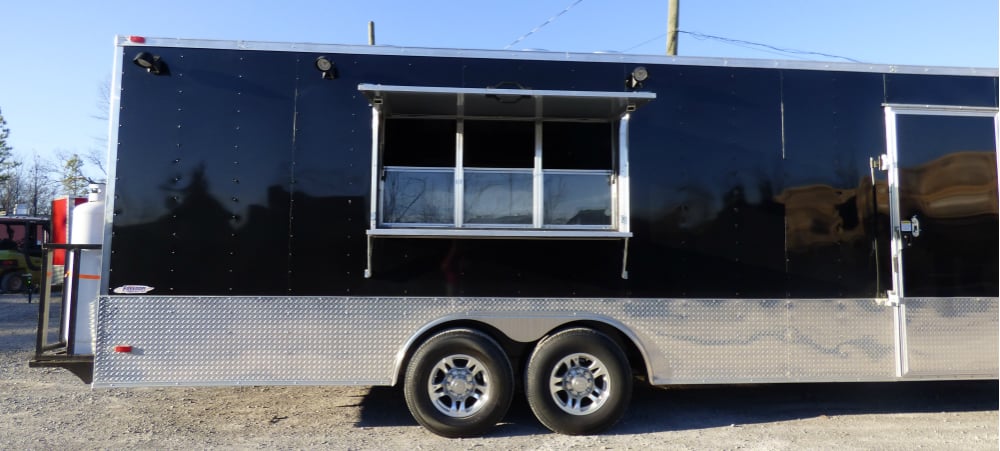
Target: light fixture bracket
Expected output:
[636,78]
[327,69]
[152,63]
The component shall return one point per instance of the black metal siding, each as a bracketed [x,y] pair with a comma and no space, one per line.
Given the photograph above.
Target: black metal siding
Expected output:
[245,172]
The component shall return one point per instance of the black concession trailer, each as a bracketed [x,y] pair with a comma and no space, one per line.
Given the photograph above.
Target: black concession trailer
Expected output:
[458,221]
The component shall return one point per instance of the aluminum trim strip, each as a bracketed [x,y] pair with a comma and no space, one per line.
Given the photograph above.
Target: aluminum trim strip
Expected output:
[538,326]
[434,169]
[607,172]
[112,168]
[560,56]
[892,180]
[377,88]
[522,171]
[941,110]
[537,174]
[458,187]
[495,233]
[374,201]
[501,118]
[624,195]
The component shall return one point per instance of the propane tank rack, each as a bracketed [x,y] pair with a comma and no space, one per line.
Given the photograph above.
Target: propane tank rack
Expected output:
[60,352]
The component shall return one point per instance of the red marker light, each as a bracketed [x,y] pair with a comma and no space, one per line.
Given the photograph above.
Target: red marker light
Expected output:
[123,348]
[137,39]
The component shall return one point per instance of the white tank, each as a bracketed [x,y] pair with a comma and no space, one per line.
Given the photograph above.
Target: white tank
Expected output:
[87,227]
[88,219]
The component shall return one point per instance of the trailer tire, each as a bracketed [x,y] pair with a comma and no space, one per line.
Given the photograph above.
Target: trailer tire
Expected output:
[578,382]
[12,283]
[459,383]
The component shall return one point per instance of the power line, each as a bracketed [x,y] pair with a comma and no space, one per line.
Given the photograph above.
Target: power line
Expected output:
[749,45]
[757,48]
[655,38]
[757,44]
[551,19]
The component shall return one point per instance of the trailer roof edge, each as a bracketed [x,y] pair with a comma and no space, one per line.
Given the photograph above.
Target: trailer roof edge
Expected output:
[126,40]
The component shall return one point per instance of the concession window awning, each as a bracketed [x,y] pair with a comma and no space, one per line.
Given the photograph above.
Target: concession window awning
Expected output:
[394,101]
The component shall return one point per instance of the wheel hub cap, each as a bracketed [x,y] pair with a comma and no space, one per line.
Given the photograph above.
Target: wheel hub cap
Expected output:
[460,382]
[458,386]
[580,384]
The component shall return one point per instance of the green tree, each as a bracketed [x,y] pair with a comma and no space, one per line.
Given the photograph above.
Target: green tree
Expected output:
[7,163]
[4,133]
[74,183]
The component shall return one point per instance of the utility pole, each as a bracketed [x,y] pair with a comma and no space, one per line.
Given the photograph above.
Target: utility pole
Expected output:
[672,9]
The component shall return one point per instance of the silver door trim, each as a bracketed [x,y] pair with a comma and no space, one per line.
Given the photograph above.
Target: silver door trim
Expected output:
[897,296]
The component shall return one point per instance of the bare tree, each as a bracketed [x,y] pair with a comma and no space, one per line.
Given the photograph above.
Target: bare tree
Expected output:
[97,156]
[28,185]
[41,186]
[103,103]
[12,190]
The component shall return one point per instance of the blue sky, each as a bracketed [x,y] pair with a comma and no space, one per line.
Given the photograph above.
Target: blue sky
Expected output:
[50,108]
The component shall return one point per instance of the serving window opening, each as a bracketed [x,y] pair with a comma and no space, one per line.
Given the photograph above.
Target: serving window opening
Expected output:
[499,163]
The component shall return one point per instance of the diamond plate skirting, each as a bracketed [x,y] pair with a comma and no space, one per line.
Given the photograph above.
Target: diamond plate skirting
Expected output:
[949,337]
[348,340]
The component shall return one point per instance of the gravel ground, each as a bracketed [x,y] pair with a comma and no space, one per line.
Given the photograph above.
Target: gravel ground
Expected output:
[50,408]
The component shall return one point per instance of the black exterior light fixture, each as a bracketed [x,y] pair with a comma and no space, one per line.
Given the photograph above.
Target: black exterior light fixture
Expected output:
[635,79]
[326,67]
[152,63]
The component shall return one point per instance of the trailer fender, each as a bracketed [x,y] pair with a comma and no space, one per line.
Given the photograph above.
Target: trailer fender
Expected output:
[521,329]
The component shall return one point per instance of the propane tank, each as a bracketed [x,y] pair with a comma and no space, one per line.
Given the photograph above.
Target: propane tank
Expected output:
[88,219]
[86,227]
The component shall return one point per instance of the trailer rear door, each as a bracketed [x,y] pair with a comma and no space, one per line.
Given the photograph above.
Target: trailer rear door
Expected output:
[943,210]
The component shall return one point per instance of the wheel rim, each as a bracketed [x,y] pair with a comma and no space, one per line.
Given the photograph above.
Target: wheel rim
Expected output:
[459,386]
[15,283]
[580,384]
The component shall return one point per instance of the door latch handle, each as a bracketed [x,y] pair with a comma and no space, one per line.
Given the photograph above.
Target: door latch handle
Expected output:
[910,229]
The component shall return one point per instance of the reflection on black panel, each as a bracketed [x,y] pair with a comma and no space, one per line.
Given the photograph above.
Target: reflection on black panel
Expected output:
[948,181]
[419,142]
[573,198]
[498,197]
[499,144]
[834,216]
[577,145]
[937,90]
[705,161]
[203,159]
[418,196]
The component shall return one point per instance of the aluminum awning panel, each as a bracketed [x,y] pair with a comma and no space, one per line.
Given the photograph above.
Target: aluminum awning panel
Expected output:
[395,101]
